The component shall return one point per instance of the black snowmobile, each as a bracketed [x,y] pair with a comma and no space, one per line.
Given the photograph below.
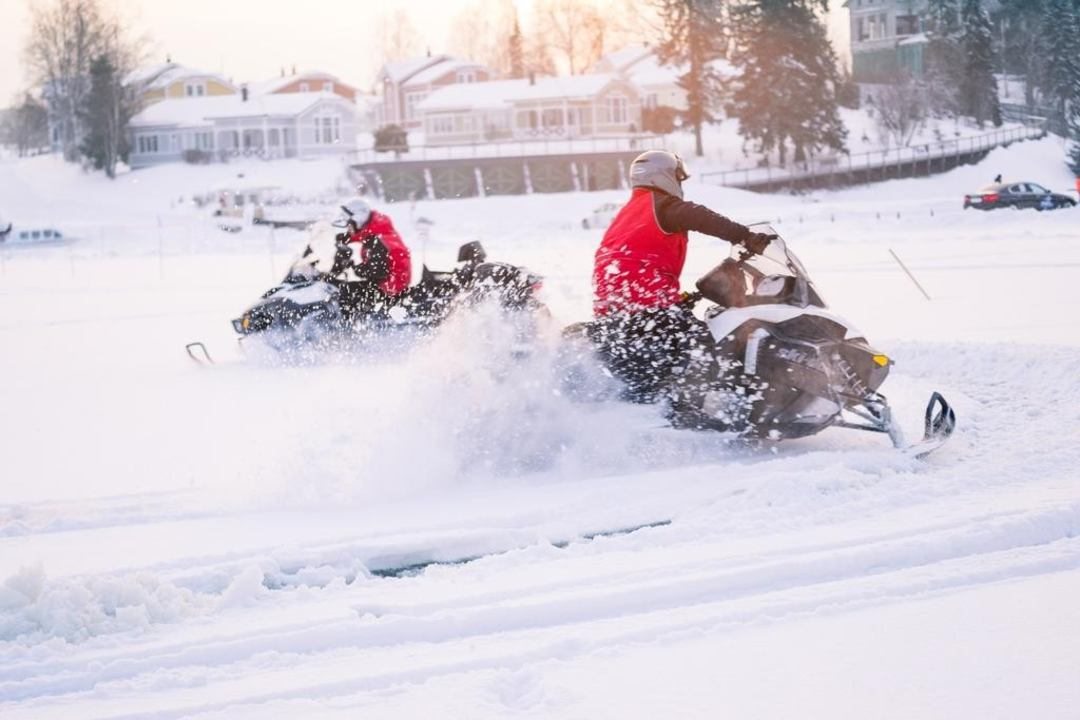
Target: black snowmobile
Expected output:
[312,310]
[776,364]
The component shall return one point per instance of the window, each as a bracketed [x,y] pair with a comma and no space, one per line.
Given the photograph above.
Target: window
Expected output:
[304,87]
[327,130]
[552,117]
[527,119]
[468,76]
[204,141]
[616,107]
[148,144]
[328,87]
[411,99]
[652,100]
[442,125]
[275,137]
[195,89]
[907,24]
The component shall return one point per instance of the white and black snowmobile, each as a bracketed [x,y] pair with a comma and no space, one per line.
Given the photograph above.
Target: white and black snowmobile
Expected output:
[309,311]
[776,364]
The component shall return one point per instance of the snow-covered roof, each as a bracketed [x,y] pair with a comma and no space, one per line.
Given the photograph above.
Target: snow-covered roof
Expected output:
[437,70]
[621,60]
[499,94]
[180,72]
[202,110]
[916,39]
[146,74]
[400,70]
[265,87]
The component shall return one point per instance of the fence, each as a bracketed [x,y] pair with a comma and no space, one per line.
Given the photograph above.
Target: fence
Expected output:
[874,166]
[513,149]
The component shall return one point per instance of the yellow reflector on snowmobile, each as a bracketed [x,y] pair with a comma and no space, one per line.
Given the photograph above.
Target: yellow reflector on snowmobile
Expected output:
[879,359]
[245,321]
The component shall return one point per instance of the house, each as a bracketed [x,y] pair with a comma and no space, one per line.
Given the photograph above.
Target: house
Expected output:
[170,81]
[889,38]
[305,82]
[579,106]
[276,125]
[657,83]
[404,84]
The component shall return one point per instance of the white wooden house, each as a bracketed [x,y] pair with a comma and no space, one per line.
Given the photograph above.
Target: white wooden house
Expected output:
[295,124]
[579,106]
[406,83]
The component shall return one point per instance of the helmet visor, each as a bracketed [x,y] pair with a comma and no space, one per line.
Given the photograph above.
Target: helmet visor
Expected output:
[680,170]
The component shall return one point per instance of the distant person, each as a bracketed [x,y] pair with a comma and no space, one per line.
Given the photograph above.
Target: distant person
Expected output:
[997,180]
[384,269]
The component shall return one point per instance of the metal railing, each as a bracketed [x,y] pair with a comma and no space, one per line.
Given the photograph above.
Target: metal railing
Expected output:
[876,164]
[513,148]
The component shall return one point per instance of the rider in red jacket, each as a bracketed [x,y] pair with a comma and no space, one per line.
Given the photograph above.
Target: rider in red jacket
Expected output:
[641,329]
[384,270]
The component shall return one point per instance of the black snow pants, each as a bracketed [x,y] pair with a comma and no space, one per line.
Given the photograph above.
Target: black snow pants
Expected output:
[645,350]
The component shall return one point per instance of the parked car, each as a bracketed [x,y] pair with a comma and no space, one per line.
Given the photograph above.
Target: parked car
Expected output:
[602,216]
[1017,195]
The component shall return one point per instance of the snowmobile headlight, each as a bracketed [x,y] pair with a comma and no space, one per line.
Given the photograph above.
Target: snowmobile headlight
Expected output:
[881,360]
[245,321]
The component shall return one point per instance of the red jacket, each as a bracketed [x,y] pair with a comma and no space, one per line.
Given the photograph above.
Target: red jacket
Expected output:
[641,257]
[399,259]
[638,264]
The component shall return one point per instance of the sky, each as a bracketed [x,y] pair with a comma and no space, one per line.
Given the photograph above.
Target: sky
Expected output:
[250,40]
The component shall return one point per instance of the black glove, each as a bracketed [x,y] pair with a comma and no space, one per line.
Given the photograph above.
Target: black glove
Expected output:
[755,243]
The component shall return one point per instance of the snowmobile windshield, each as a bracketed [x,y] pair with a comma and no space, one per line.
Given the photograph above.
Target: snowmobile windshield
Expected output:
[775,276]
[317,255]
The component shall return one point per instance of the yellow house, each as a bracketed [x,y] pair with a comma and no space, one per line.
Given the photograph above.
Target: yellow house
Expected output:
[171,81]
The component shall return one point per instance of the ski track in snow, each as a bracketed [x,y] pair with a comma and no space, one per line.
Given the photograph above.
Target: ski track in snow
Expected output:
[229,566]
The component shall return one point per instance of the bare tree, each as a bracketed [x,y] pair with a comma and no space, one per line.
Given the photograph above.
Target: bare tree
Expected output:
[574,30]
[25,126]
[398,37]
[481,31]
[66,37]
[901,109]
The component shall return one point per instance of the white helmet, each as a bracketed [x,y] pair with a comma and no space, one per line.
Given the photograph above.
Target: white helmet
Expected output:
[357,210]
[659,169]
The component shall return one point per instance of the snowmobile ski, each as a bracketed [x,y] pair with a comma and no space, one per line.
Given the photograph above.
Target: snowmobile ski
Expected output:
[197,352]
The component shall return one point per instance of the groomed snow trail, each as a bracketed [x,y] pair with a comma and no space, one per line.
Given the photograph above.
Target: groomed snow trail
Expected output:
[444,535]
[811,530]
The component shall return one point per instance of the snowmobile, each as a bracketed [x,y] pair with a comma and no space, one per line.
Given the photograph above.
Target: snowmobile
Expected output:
[776,364]
[308,311]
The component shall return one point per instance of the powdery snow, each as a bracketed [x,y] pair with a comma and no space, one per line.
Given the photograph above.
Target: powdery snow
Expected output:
[234,542]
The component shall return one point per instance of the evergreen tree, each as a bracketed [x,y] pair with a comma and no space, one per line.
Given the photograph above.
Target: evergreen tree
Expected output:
[944,66]
[1072,123]
[978,87]
[788,79]
[105,117]
[516,51]
[1024,47]
[1062,63]
[694,35]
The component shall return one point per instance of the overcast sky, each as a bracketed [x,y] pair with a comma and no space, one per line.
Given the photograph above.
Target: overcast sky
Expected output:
[252,39]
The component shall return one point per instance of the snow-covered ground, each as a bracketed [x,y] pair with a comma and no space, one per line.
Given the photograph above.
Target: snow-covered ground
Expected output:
[178,541]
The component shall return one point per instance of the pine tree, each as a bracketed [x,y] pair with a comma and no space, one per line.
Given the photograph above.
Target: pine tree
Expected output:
[105,117]
[694,35]
[943,69]
[1025,43]
[516,51]
[788,79]
[1061,60]
[978,87]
